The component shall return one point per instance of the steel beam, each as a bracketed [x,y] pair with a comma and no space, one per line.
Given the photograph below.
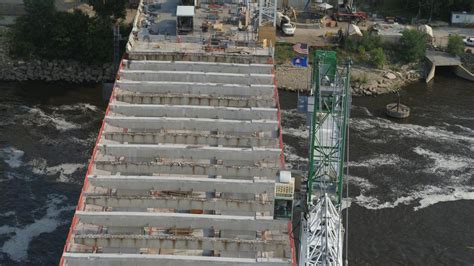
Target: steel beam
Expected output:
[198,66]
[177,183]
[181,242]
[180,151]
[101,259]
[196,88]
[191,139]
[180,203]
[199,100]
[200,77]
[149,168]
[182,220]
[231,113]
[196,124]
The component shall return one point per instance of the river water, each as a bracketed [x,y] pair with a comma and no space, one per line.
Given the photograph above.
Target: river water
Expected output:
[411,181]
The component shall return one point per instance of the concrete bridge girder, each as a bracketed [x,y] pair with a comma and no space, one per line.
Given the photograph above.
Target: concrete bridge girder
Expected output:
[196,100]
[198,67]
[197,88]
[196,124]
[191,139]
[182,220]
[98,259]
[176,183]
[142,151]
[148,168]
[180,203]
[201,77]
[231,113]
[180,242]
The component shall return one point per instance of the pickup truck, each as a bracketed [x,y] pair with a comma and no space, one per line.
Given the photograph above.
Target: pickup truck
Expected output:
[283,22]
[469,41]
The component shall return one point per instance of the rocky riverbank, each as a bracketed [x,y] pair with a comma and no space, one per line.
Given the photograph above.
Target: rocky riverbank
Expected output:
[56,70]
[364,80]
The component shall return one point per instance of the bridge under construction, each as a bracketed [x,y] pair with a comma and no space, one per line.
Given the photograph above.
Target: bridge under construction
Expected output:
[188,167]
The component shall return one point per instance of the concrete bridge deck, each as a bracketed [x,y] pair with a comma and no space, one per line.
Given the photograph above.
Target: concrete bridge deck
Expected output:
[187,165]
[184,170]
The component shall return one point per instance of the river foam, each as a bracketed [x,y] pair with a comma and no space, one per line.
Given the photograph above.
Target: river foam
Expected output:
[78,107]
[408,130]
[65,171]
[423,198]
[38,116]
[444,162]
[19,238]
[12,156]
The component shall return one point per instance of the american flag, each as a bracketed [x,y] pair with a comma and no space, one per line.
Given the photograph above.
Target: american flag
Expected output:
[301,48]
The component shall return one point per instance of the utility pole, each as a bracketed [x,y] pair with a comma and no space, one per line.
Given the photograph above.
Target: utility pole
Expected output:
[431,10]
[419,11]
[350,4]
[117,39]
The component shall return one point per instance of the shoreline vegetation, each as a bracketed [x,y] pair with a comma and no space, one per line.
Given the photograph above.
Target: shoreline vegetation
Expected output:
[50,45]
[77,47]
[378,67]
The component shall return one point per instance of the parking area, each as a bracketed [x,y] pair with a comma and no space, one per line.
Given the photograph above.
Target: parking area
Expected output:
[318,36]
[442,35]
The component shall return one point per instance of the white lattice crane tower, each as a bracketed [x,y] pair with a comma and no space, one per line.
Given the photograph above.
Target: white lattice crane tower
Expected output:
[322,237]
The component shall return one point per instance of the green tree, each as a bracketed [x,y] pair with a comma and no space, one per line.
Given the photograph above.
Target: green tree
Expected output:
[68,36]
[427,9]
[370,42]
[378,57]
[31,32]
[455,45]
[45,33]
[109,9]
[99,42]
[412,45]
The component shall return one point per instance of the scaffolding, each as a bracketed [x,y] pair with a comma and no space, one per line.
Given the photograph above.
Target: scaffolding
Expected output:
[267,12]
[322,237]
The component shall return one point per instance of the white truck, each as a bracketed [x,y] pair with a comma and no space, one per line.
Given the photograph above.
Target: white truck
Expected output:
[284,23]
[469,41]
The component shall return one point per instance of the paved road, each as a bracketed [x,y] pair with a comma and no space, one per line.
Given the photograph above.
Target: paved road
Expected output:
[315,37]
[442,35]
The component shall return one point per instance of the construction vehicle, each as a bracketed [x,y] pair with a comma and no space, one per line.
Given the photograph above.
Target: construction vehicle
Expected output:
[327,108]
[284,23]
[347,12]
[350,16]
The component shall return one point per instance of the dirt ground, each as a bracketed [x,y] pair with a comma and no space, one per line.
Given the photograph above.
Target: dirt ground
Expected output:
[316,37]
[69,5]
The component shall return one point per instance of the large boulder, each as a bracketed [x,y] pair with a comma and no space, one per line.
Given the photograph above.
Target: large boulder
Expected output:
[390,76]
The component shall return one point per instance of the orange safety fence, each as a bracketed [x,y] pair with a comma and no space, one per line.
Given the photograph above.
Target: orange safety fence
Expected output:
[282,164]
[81,203]
[292,244]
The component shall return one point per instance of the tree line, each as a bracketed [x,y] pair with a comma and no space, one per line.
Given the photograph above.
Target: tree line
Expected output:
[421,9]
[46,33]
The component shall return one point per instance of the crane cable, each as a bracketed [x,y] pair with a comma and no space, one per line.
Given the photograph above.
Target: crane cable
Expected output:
[347,190]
